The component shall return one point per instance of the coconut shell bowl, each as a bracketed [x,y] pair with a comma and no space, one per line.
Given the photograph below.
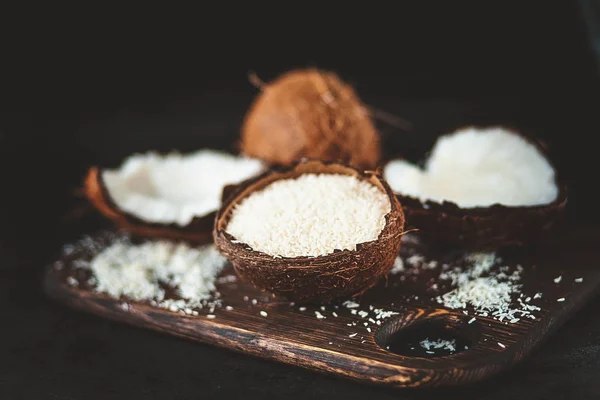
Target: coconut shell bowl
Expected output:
[341,274]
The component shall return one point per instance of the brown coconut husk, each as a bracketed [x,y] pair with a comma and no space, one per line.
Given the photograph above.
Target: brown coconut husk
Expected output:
[311,114]
[312,279]
[198,231]
[445,225]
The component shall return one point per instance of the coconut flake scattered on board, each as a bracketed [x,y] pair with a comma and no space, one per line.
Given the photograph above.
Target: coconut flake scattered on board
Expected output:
[488,292]
[478,168]
[175,188]
[479,285]
[398,266]
[319,315]
[439,344]
[369,315]
[311,215]
[142,272]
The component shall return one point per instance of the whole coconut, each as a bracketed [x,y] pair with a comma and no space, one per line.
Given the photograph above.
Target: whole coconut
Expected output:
[310,114]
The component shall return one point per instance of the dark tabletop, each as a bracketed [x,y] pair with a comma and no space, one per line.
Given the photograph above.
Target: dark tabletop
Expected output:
[51,352]
[98,99]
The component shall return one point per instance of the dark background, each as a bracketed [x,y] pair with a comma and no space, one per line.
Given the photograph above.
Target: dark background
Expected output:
[91,86]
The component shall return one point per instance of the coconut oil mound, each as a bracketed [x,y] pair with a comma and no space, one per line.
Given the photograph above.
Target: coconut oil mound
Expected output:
[311,215]
[478,168]
[175,188]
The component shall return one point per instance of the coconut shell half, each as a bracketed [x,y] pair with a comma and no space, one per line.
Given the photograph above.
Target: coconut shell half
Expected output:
[484,228]
[198,231]
[340,274]
[445,225]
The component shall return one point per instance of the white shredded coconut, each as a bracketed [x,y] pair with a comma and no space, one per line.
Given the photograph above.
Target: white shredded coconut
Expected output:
[227,279]
[311,215]
[478,167]
[140,272]
[480,285]
[440,344]
[175,188]
[398,266]
[72,281]
[350,304]
[383,314]
[488,292]
[415,260]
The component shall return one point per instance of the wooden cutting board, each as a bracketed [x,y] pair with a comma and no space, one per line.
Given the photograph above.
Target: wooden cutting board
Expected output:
[353,342]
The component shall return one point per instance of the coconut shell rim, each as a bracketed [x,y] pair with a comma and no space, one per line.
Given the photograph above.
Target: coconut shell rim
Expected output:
[199,229]
[306,261]
[494,210]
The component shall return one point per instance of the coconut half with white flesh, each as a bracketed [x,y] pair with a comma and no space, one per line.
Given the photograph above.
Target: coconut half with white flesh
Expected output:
[480,188]
[172,195]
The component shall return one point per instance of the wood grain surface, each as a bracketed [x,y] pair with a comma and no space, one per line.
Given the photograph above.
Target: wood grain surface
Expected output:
[352,344]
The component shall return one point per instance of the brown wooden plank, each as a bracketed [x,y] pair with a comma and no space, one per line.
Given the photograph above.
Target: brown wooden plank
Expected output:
[297,337]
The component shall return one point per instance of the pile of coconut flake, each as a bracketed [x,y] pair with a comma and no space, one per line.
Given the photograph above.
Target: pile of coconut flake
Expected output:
[486,292]
[478,168]
[143,272]
[175,188]
[311,215]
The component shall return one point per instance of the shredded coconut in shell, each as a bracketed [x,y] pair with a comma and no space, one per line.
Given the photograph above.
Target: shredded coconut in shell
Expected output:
[311,215]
